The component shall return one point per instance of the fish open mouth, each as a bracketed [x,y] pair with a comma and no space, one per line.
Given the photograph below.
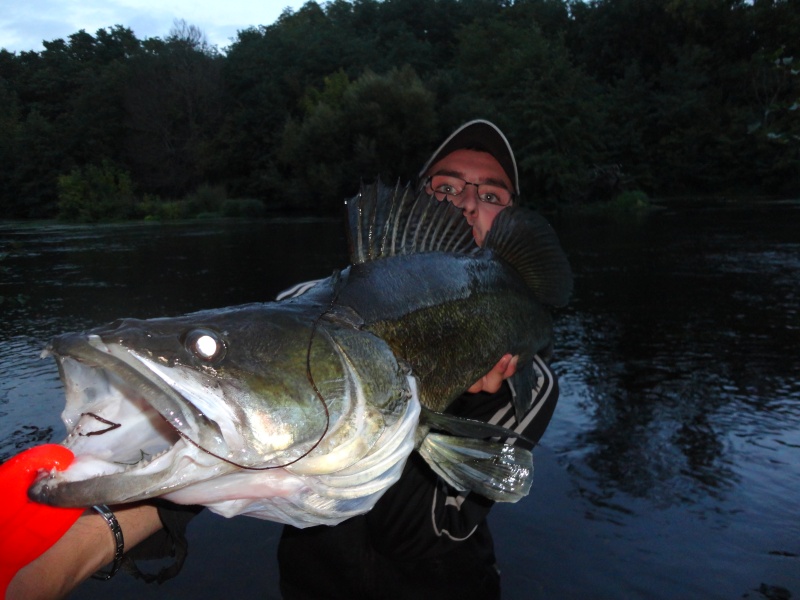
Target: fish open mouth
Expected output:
[124,429]
[142,428]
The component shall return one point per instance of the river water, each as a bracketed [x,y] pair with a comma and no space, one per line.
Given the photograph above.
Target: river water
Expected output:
[671,468]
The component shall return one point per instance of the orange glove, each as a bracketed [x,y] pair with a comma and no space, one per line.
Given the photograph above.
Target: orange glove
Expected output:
[27,528]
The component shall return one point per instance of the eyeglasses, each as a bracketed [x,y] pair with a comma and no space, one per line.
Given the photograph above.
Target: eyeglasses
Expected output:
[452,187]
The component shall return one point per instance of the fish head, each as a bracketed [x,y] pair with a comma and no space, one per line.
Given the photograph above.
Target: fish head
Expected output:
[156,405]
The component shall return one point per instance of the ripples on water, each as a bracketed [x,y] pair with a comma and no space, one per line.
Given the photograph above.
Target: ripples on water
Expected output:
[681,392]
[672,466]
[30,396]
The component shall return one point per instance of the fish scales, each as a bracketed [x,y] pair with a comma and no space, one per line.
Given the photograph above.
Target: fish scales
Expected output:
[304,411]
[487,306]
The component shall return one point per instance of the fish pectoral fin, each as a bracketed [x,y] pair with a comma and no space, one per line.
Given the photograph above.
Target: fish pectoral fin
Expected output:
[522,383]
[497,471]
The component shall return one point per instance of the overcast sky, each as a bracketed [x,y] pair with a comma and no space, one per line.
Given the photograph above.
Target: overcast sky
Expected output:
[25,23]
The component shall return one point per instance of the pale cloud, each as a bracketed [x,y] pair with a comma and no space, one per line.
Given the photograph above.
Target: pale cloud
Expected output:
[25,24]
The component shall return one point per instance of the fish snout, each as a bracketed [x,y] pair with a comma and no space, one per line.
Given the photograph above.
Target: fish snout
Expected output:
[120,327]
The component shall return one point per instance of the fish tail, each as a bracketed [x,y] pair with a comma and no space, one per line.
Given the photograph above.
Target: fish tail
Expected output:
[525,239]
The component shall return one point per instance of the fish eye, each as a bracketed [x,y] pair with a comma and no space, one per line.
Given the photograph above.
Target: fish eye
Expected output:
[205,345]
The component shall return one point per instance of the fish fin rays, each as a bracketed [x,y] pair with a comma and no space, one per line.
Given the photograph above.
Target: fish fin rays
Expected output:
[495,470]
[526,240]
[385,221]
[465,427]
[522,383]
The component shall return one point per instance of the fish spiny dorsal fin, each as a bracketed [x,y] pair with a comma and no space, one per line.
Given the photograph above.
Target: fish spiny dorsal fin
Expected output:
[388,221]
[526,240]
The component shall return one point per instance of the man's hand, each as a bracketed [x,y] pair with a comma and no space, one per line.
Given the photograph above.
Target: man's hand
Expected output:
[492,381]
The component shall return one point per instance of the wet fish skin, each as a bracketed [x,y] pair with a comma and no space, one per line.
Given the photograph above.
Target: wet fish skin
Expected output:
[466,304]
[252,410]
[304,411]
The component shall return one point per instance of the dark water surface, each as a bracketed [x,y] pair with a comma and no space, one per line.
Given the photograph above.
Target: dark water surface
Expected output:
[671,468]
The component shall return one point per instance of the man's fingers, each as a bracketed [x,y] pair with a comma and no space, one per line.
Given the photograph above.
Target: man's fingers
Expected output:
[492,381]
[511,367]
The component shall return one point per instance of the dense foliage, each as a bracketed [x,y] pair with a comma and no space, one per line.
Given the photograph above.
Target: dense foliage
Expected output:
[665,97]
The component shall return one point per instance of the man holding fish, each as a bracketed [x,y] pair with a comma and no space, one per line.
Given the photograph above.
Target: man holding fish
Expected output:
[423,536]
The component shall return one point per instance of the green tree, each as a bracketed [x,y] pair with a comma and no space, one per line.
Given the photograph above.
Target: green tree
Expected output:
[774,127]
[674,96]
[10,127]
[95,193]
[550,108]
[377,126]
[69,110]
[268,71]
[174,109]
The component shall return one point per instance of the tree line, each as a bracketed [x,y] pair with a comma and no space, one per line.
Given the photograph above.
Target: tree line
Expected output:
[667,97]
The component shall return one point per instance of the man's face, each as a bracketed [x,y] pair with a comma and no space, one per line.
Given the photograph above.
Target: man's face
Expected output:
[477,168]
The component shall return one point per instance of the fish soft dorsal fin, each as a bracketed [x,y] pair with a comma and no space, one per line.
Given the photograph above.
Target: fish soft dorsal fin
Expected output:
[385,221]
[525,239]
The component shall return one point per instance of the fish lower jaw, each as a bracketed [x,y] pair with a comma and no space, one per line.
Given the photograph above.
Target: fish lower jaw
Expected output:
[104,479]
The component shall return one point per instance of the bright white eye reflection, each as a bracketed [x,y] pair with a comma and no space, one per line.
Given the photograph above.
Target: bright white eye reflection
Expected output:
[206,346]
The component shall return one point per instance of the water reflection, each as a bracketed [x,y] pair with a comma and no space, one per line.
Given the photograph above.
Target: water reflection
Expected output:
[675,351]
[671,468]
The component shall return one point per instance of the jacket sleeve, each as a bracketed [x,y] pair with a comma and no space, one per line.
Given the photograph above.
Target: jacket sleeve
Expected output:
[535,421]
[421,516]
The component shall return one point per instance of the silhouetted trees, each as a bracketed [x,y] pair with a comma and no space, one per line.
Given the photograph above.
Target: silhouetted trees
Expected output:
[671,97]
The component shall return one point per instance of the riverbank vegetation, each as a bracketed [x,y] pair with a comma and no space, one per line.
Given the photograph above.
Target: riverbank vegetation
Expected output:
[652,97]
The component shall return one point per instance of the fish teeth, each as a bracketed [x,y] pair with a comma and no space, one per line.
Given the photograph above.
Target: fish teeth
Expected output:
[87,466]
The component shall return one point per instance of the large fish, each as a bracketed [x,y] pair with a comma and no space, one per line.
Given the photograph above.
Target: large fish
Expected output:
[304,411]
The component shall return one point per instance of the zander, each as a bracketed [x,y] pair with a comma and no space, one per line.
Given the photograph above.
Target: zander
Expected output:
[304,411]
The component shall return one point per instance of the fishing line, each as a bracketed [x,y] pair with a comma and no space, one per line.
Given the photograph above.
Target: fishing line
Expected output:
[310,378]
[319,395]
[111,425]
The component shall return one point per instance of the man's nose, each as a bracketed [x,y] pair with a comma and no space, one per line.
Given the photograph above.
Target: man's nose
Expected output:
[467,200]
